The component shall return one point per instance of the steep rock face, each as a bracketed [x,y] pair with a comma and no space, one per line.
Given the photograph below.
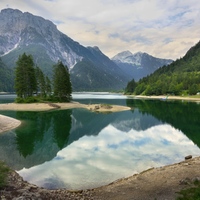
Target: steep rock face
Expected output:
[24,32]
[139,64]
[20,30]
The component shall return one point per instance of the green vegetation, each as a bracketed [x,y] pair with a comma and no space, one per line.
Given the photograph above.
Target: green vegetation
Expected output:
[182,77]
[25,77]
[32,86]
[107,106]
[192,193]
[6,78]
[62,84]
[3,174]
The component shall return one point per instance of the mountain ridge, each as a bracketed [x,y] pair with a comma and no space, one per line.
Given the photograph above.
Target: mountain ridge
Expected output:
[90,69]
[139,64]
[41,38]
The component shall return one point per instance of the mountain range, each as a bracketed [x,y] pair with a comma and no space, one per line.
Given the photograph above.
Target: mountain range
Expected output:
[140,64]
[90,69]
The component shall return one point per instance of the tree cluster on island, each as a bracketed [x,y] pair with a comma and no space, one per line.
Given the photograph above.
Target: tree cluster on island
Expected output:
[31,85]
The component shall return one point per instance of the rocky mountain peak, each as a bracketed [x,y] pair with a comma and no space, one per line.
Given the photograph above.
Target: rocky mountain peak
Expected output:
[122,56]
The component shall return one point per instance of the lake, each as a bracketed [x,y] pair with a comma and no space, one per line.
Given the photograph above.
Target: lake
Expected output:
[79,149]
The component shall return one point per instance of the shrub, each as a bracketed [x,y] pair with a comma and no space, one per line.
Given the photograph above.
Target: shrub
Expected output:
[192,193]
[3,174]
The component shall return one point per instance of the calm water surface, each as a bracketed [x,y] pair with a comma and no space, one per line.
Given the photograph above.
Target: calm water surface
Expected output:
[78,149]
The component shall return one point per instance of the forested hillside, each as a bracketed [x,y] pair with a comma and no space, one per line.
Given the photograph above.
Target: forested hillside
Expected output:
[180,77]
[6,78]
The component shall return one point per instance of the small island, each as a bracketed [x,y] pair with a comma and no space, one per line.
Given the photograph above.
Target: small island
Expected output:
[8,123]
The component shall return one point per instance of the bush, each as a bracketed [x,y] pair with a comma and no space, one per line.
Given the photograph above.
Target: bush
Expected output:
[192,193]
[26,100]
[30,100]
[3,174]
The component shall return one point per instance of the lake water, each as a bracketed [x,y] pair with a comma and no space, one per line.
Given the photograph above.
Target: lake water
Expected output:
[79,149]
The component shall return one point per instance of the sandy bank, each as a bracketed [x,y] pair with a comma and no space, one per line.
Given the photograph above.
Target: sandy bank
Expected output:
[8,123]
[50,106]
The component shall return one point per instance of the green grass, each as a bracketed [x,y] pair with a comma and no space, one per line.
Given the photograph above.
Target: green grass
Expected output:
[107,106]
[3,174]
[192,193]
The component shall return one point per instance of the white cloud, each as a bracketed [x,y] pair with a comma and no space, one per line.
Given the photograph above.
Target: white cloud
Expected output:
[121,25]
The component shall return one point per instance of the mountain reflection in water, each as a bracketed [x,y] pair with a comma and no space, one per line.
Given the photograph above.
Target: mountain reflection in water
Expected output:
[78,149]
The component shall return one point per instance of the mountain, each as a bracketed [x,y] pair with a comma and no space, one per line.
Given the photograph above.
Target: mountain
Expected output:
[181,77]
[138,65]
[90,69]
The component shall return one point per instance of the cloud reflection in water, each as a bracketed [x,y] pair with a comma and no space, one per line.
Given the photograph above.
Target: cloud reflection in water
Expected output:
[93,161]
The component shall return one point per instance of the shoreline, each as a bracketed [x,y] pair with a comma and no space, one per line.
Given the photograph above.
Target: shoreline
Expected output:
[166,97]
[155,183]
[70,105]
[8,123]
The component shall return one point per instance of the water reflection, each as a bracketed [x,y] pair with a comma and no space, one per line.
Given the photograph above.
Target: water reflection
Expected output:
[37,140]
[93,161]
[184,116]
[78,149]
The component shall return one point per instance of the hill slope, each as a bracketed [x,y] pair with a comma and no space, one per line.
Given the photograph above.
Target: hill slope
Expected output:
[180,77]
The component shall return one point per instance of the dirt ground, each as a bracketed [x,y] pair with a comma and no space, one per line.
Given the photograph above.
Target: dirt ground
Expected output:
[154,184]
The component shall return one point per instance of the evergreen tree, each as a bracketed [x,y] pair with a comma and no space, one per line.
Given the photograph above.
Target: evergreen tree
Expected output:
[41,82]
[130,88]
[25,79]
[62,83]
[48,86]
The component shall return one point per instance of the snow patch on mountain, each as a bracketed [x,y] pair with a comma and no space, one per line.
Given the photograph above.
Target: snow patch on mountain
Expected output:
[11,48]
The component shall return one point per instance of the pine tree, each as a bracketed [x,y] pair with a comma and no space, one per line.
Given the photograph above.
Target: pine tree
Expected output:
[25,79]
[62,84]
[41,82]
[48,86]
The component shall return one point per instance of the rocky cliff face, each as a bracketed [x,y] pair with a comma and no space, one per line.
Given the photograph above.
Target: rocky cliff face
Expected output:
[18,30]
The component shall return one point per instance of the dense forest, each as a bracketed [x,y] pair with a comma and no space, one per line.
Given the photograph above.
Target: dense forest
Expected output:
[179,78]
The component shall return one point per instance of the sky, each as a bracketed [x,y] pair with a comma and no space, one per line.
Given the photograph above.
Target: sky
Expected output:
[162,28]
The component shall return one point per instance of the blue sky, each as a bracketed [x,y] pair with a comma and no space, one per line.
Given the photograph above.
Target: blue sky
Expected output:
[162,28]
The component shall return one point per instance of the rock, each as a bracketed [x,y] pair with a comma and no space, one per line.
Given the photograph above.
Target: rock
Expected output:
[188,157]
[185,181]
[96,107]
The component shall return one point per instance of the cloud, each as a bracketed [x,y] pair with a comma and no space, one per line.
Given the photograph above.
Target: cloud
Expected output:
[121,25]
